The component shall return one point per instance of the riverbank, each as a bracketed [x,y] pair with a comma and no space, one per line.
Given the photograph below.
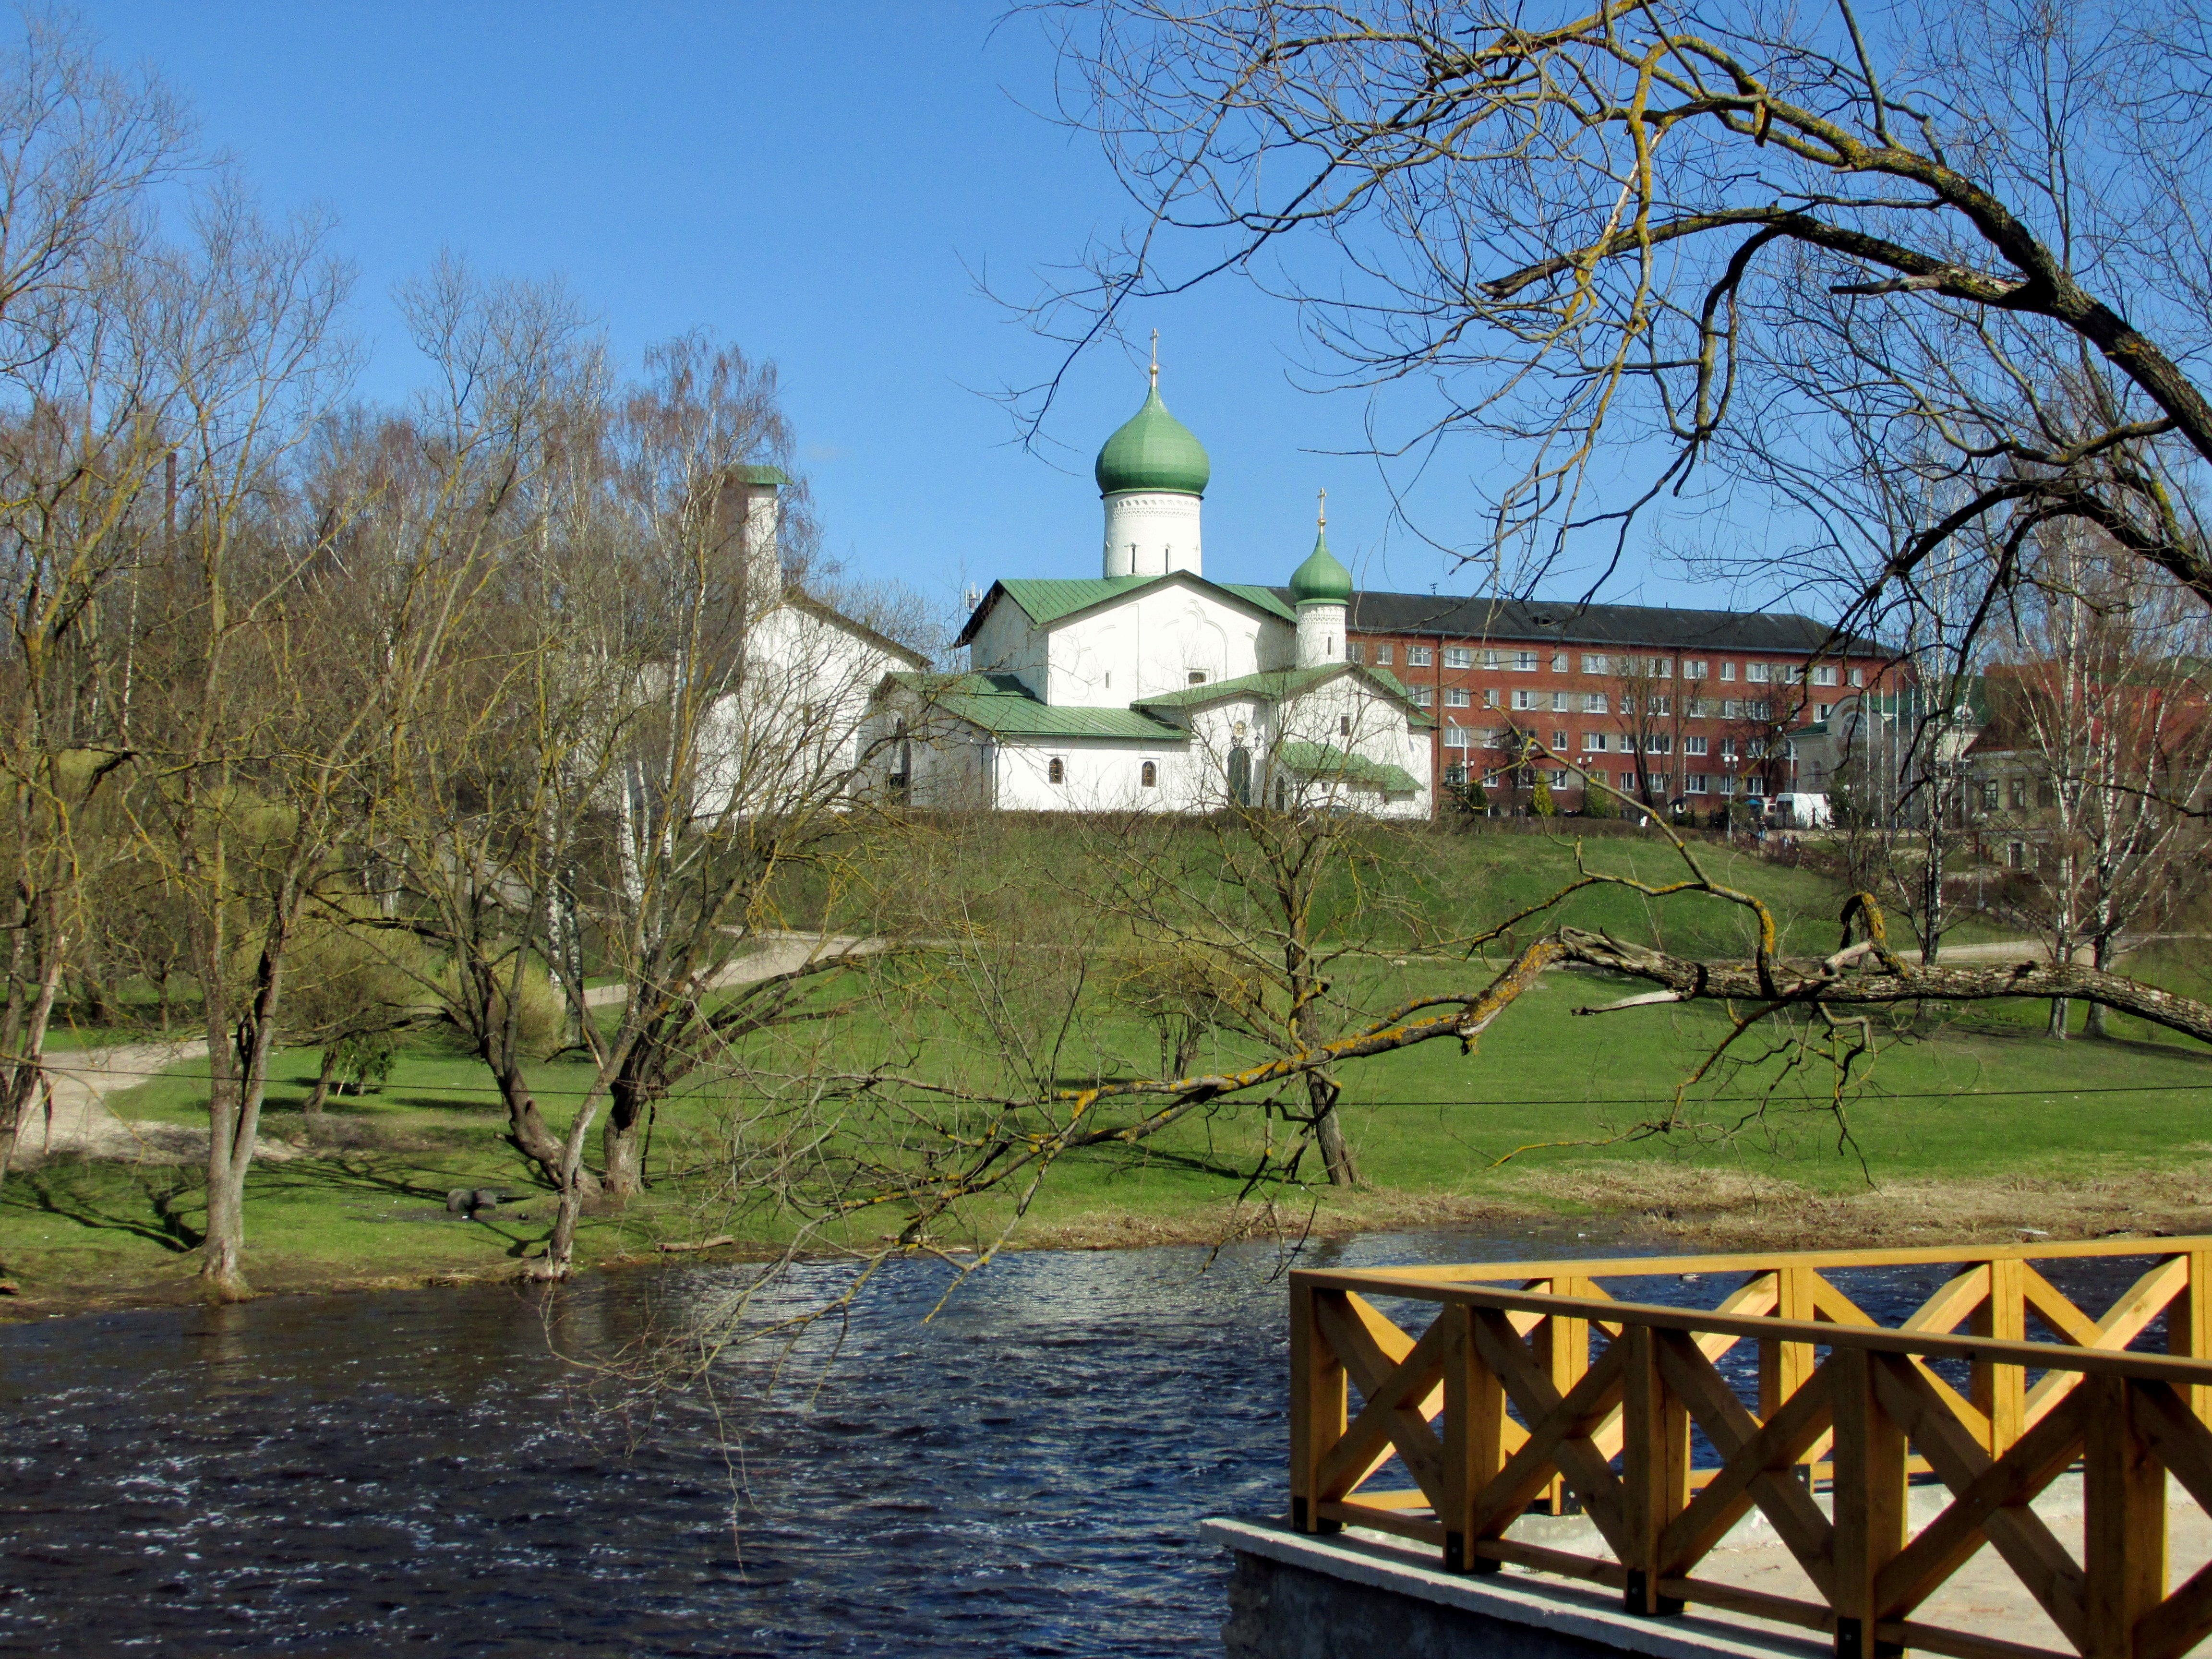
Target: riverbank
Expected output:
[1644,1207]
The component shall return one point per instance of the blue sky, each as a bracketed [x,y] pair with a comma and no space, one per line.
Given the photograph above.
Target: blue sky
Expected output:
[820,184]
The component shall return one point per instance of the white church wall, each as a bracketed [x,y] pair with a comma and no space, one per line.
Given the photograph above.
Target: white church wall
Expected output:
[1152,641]
[800,722]
[1008,642]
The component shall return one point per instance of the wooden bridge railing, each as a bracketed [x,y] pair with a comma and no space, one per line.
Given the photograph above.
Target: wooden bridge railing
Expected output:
[1500,1406]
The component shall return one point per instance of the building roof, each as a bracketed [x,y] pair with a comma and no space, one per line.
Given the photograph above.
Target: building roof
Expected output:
[824,611]
[1317,760]
[772,475]
[1047,599]
[1152,450]
[1663,627]
[1001,705]
[1279,682]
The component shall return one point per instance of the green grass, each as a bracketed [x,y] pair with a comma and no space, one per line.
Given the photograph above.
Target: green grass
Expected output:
[1982,1093]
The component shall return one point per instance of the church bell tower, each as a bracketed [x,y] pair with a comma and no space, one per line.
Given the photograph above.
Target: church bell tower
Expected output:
[1152,477]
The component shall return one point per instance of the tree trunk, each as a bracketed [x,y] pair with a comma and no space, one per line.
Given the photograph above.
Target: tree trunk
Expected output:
[313,1111]
[2093,1019]
[1328,1130]
[528,1133]
[2057,1028]
[628,1108]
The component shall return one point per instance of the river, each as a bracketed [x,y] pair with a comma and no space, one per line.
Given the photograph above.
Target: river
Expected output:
[375,1472]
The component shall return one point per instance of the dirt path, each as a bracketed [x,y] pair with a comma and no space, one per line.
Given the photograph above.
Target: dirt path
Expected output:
[777,953]
[75,1118]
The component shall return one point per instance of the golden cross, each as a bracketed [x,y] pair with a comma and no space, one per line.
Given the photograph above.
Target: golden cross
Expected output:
[1156,360]
[1322,517]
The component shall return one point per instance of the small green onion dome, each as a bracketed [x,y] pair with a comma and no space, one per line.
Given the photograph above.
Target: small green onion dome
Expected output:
[1153,451]
[1322,577]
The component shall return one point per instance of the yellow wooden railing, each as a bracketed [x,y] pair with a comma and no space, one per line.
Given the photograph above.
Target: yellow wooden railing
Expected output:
[1498,1406]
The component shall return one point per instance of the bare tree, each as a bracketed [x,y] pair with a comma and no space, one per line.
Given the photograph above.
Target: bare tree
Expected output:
[2095,689]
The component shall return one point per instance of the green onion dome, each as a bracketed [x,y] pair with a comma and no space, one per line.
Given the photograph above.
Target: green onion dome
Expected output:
[1153,451]
[1322,577]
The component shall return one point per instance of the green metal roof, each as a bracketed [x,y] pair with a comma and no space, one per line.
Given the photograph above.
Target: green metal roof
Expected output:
[1317,760]
[1047,599]
[1322,577]
[773,476]
[1153,451]
[1279,682]
[1001,705]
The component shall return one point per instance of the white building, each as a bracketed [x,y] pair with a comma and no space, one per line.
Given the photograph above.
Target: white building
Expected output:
[796,735]
[1150,687]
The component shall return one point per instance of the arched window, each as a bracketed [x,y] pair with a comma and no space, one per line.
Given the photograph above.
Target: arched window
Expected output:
[1344,725]
[1149,776]
[1055,771]
[1240,776]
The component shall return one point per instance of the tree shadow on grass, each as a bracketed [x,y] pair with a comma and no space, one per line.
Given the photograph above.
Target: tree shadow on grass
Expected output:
[147,1202]
[371,1177]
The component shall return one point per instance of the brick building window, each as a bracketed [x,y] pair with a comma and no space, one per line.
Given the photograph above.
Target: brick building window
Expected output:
[1595,703]
[1824,674]
[1596,662]
[1458,656]
[1558,742]
[1694,668]
[1382,653]
[1558,703]
[1424,696]
[1858,676]
[1728,671]
[1524,662]
[1694,784]
[1419,656]
[1524,699]
[1457,696]
[1594,742]
[1694,745]
[1354,652]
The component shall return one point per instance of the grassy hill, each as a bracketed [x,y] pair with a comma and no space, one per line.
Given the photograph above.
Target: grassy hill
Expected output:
[1960,1119]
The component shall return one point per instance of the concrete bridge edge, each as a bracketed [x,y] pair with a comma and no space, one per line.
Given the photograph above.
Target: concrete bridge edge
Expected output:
[1292,1595]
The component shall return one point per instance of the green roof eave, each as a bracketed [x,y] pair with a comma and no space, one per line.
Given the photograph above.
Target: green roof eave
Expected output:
[1316,760]
[773,477]
[1047,600]
[1287,682]
[1001,705]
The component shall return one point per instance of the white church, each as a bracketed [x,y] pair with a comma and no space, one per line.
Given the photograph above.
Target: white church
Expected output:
[1148,687]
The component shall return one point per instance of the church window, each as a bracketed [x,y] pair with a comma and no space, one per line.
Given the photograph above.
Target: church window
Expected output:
[1457,696]
[1282,795]
[1419,656]
[1198,677]
[1240,772]
[1055,771]
[1458,656]
[1344,725]
[1110,679]
[1383,655]
[1328,645]
[1149,774]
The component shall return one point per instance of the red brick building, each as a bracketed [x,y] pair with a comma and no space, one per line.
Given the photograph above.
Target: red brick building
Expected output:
[1688,707]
